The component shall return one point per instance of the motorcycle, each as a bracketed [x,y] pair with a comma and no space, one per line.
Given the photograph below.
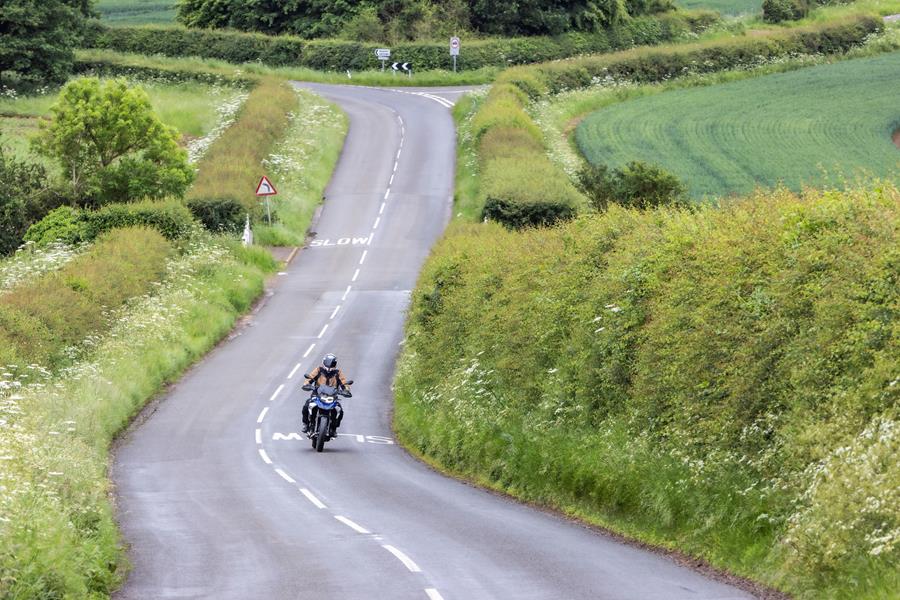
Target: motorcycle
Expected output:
[323,412]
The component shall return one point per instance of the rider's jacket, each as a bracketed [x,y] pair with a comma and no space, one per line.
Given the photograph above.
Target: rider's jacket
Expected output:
[332,377]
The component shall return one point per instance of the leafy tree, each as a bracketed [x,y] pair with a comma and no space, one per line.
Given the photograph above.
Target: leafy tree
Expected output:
[637,184]
[37,38]
[111,145]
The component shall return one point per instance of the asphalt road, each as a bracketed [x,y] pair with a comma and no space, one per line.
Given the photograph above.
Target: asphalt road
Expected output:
[219,497]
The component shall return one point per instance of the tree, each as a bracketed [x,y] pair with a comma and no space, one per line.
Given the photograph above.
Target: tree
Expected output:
[37,38]
[24,198]
[637,185]
[111,145]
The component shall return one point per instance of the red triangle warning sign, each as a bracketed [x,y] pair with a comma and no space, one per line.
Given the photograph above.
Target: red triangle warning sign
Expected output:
[265,187]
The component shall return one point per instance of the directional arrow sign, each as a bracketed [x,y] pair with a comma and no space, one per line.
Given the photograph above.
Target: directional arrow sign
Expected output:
[405,66]
[395,66]
[265,187]
[383,53]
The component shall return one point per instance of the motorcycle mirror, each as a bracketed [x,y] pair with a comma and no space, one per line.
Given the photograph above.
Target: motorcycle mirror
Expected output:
[306,375]
[306,388]
[346,394]
[349,382]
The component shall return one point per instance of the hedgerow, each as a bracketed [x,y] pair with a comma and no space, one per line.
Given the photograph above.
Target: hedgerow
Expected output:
[341,54]
[722,380]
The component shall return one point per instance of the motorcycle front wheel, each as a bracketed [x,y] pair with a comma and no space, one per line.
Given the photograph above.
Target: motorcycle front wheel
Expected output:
[321,434]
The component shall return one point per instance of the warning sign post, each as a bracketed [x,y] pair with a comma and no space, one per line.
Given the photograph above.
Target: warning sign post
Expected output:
[266,189]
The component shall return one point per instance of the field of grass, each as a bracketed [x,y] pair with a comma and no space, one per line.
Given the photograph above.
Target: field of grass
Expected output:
[137,12]
[726,7]
[807,127]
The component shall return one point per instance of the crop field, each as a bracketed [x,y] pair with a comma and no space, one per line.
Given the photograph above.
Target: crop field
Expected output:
[137,12]
[726,7]
[815,126]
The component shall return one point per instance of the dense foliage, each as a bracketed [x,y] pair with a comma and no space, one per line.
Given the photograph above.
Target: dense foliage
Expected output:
[728,139]
[377,20]
[37,39]
[723,380]
[359,54]
[636,185]
[24,198]
[111,145]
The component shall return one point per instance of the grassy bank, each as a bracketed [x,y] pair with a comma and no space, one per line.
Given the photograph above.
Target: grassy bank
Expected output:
[809,127]
[57,533]
[720,381]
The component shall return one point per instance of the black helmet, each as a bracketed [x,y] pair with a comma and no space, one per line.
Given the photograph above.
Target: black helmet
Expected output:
[330,361]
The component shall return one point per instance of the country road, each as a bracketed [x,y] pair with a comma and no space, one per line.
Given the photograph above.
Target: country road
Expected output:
[217,495]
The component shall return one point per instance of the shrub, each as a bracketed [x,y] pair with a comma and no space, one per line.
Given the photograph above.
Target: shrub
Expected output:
[64,224]
[518,215]
[527,191]
[776,11]
[224,215]
[24,198]
[171,218]
[637,185]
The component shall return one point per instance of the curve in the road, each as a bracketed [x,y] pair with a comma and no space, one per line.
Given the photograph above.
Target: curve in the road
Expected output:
[220,496]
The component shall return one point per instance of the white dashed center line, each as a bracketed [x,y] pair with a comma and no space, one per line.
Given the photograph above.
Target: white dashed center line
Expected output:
[347,291]
[355,275]
[433,594]
[294,370]
[285,476]
[309,496]
[352,525]
[407,561]
[308,350]
[265,457]
[333,314]
[259,436]
[262,415]
[278,391]
[362,258]
[324,329]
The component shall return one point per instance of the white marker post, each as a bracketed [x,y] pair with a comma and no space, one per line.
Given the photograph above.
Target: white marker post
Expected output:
[265,188]
[454,50]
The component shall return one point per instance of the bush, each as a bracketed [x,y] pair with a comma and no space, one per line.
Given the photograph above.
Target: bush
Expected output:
[24,198]
[220,215]
[171,218]
[776,11]
[64,224]
[518,215]
[526,191]
[637,185]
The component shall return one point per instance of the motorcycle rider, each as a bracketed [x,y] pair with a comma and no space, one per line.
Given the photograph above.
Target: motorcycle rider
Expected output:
[327,374]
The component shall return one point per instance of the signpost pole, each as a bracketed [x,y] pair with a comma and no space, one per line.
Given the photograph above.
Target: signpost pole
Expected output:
[454,63]
[268,212]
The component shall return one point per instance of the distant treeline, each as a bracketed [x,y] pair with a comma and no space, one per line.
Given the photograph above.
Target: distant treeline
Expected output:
[395,20]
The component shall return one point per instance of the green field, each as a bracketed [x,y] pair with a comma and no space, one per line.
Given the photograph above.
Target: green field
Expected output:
[809,127]
[137,12]
[726,7]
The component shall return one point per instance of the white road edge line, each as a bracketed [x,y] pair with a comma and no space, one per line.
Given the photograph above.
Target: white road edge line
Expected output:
[262,414]
[334,314]
[277,391]
[285,476]
[352,525]
[294,370]
[265,457]
[259,436]
[362,259]
[355,275]
[309,496]
[407,561]
[433,594]
[324,329]
[308,350]
[347,291]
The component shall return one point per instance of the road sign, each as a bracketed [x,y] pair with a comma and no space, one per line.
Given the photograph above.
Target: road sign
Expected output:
[454,46]
[407,67]
[383,53]
[265,187]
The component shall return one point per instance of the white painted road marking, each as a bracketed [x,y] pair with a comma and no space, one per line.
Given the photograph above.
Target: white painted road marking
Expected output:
[355,275]
[336,309]
[352,525]
[407,561]
[377,221]
[259,436]
[347,291]
[309,496]
[344,241]
[278,391]
[296,436]
[294,370]
[265,457]
[433,594]
[285,476]
[381,210]
[262,415]
[387,193]
[362,258]
[308,350]
[324,329]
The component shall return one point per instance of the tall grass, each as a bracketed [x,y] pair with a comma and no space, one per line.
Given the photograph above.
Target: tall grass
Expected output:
[57,534]
[722,380]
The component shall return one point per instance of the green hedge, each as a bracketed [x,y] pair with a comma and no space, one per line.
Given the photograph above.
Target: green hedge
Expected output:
[240,47]
[650,65]
[722,380]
